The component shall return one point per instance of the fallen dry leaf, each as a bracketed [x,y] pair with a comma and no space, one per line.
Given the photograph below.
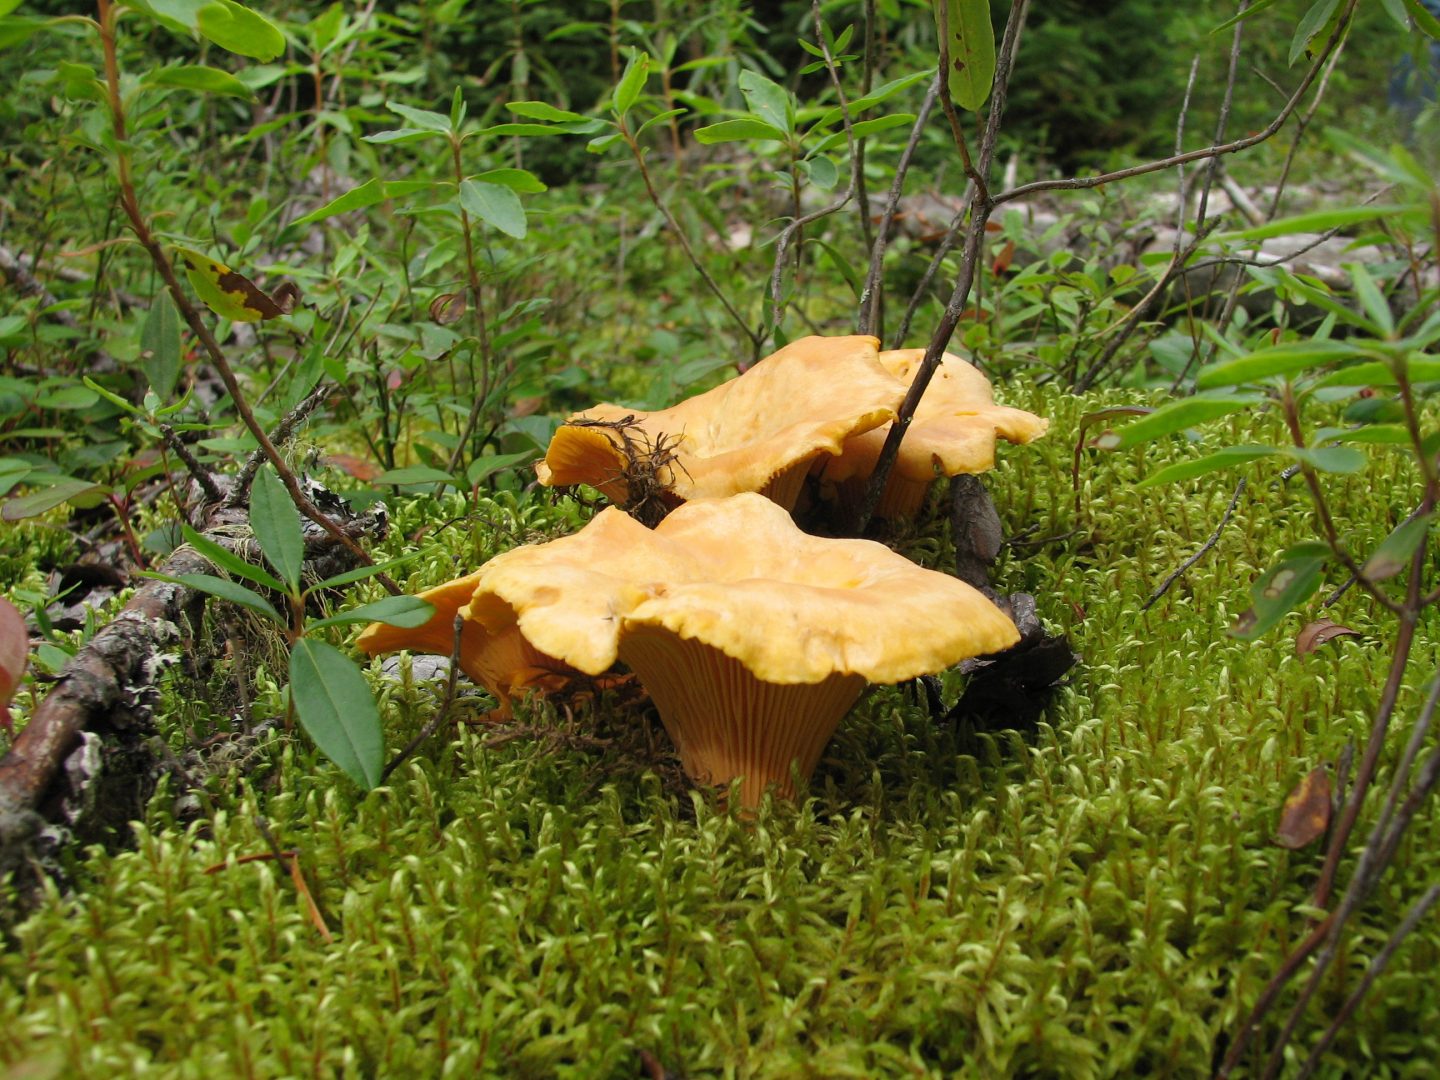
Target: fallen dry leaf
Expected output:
[14,652]
[358,467]
[1318,633]
[1306,814]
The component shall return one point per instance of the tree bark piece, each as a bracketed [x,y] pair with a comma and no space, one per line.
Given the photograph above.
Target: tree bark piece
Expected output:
[89,759]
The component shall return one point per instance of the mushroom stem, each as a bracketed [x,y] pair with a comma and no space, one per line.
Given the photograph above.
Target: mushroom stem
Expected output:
[726,723]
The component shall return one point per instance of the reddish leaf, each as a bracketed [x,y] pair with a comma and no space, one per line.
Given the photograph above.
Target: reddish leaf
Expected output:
[1306,814]
[1003,260]
[354,466]
[448,308]
[14,652]
[1318,633]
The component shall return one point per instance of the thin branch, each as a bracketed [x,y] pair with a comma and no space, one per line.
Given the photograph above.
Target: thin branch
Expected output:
[1080,183]
[1417,911]
[1199,554]
[788,234]
[871,295]
[952,234]
[981,206]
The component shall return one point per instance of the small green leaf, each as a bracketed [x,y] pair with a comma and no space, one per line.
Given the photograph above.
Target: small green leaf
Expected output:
[360,573]
[863,129]
[521,180]
[276,524]
[970,40]
[240,30]
[206,80]
[484,467]
[632,82]
[334,705]
[1283,359]
[66,489]
[1228,458]
[495,205]
[398,135]
[1425,20]
[1321,220]
[1395,551]
[1290,582]
[1331,459]
[742,130]
[540,110]
[160,345]
[423,119]
[1176,416]
[1388,434]
[225,589]
[1372,299]
[1310,25]
[403,611]
[225,559]
[767,101]
[357,198]
[416,474]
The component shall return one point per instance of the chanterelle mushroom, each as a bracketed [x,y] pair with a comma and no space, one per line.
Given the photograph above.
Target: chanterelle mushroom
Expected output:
[758,432]
[504,663]
[953,432]
[752,638]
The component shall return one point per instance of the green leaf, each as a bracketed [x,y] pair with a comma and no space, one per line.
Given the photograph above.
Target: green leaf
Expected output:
[875,97]
[658,119]
[65,490]
[540,110]
[1321,220]
[334,705]
[742,130]
[767,101]
[1283,359]
[495,205]
[416,474]
[360,573]
[521,180]
[276,524]
[821,171]
[225,589]
[1228,458]
[484,467]
[863,128]
[1311,24]
[632,82]
[971,45]
[160,345]
[423,119]
[1372,299]
[1381,373]
[225,559]
[206,80]
[1172,417]
[240,30]
[404,611]
[1331,459]
[1386,434]
[399,135]
[357,198]
[12,471]
[1424,20]
[1290,582]
[228,293]
[1395,551]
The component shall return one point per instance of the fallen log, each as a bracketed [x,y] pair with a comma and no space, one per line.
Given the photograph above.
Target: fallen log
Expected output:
[90,757]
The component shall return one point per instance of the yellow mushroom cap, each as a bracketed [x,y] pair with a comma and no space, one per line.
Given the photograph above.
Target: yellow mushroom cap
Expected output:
[953,432]
[756,432]
[727,599]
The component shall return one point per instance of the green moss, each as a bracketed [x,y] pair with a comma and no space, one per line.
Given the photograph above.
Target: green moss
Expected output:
[1102,899]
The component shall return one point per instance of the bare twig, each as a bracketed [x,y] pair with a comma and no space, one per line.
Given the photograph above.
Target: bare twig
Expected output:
[1199,554]
[872,294]
[981,205]
[283,433]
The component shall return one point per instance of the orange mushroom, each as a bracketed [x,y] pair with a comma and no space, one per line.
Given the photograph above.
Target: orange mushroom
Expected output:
[752,638]
[953,431]
[758,432]
[505,663]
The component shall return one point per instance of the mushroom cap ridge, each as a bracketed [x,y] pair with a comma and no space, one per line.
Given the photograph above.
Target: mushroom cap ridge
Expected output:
[800,402]
[737,575]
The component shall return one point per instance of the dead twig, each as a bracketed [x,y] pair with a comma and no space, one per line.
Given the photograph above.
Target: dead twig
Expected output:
[1213,539]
